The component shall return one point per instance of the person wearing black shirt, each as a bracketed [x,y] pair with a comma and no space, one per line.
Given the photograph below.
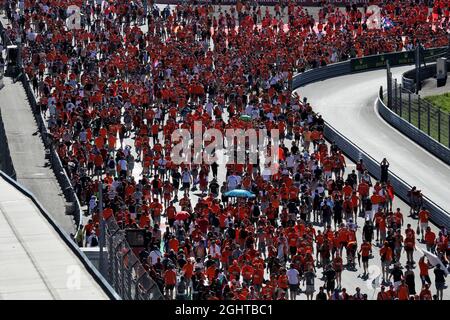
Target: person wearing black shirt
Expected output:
[368,231]
[214,167]
[321,295]
[176,177]
[197,285]
[384,166]
[396,274]
[337,212]
[181,261]
[330,276]
[409,280]
[326,214]
[214,187]
[439,280]
[352,179]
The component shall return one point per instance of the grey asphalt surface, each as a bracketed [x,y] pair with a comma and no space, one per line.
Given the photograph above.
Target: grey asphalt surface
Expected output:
[349,106]
[28,152]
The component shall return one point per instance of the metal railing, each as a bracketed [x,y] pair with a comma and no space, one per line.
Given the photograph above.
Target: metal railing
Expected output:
[420,113]
[126,274]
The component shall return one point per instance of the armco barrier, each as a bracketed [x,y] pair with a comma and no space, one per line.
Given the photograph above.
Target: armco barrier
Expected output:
[439,216]
[357,65]
[68,241]
[322,73]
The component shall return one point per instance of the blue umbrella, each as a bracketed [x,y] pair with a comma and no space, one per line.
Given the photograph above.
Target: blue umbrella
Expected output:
[239,193]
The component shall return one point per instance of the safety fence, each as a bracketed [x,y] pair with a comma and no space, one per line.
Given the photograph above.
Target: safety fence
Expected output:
[422,114]
[126,273]
[6,164]
[439,215]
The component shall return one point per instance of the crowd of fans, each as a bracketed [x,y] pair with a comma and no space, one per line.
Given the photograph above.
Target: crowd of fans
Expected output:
[115,90]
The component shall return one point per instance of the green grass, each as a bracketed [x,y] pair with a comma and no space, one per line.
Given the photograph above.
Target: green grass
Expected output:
[441,101]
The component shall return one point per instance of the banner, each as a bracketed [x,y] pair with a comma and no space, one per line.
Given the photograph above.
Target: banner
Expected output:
[395,59]
[308,3]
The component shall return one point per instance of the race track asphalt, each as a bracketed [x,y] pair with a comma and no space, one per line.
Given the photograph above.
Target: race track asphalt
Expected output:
[348,104]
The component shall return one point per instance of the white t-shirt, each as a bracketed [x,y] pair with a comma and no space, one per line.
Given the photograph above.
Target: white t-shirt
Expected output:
[186,177]
[123,164]
[292,275]
[154,255]
[233,181]
[290,161]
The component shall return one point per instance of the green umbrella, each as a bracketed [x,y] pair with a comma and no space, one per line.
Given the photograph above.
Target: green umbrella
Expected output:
[245,117]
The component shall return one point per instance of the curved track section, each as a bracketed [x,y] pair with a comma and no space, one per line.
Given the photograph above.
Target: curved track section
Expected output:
[348,104]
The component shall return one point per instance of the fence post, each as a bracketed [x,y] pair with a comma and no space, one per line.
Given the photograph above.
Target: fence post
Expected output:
[409,106]
[129,271]
[111,260]
[428,119]
[122,273]
[395,95]
[117,275]
[401,101]
[439,124]
[418,119]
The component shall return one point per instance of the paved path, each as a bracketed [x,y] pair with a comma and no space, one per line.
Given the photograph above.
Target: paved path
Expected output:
[35,263]
[28,153]
[349,106]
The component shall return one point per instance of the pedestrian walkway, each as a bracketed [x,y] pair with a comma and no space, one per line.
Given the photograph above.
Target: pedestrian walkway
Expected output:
[28,153]
[35,262]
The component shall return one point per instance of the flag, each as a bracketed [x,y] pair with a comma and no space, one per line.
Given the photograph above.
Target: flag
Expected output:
[434,260]
[376,282]
[386,23]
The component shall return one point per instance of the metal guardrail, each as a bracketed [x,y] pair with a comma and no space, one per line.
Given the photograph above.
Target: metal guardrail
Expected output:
[348,67]
[126,273]
[439,216]
[58,168]
[322,73]
[66,238]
